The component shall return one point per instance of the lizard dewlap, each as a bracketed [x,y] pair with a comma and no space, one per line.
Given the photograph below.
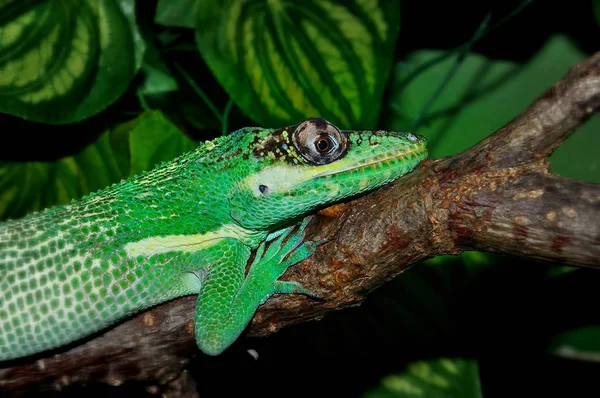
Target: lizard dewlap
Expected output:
[186,227]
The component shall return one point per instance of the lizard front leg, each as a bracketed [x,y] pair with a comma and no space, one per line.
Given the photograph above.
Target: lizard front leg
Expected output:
[227,301]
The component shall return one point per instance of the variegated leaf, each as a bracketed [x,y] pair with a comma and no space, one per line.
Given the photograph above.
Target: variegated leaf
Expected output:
[441,378]
[63,61]
[284,61]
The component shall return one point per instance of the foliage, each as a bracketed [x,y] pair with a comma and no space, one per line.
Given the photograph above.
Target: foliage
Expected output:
[132,84]
[65,61]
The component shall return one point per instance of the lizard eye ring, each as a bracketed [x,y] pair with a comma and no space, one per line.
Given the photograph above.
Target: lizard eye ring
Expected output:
[323,144]
[319,141]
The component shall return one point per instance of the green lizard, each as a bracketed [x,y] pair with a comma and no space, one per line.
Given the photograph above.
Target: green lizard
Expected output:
[186,227]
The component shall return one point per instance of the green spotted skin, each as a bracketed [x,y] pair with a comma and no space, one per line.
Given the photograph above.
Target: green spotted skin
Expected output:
[186,227]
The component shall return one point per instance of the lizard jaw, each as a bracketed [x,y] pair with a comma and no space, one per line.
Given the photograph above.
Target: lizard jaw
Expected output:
[417,154]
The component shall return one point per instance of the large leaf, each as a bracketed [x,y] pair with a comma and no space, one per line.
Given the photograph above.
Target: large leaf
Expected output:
[441,378]
[484,95]
[284,61]
[117,154]
[63,61]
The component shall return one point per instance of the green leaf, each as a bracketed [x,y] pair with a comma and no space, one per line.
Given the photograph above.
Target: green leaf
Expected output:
[472,260]
[158,79]
[444,378]
[284,61]
[580,344]
[155,140]
[124,151]
[483,96]
[157,76]
[63,61]
[560,270]
[596,6]
[177,13]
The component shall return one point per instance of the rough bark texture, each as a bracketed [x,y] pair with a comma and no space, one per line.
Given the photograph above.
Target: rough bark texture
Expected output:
[498,196]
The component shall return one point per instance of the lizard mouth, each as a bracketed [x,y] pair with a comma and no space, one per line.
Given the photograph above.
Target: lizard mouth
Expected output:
[394,158]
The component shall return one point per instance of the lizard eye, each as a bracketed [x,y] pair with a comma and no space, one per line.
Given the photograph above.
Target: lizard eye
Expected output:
[323,144]
[319,141]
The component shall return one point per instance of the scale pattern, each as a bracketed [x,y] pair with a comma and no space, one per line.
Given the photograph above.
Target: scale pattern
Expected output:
[63,272]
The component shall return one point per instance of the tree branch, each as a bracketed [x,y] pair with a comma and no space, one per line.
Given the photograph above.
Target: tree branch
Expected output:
[498,196]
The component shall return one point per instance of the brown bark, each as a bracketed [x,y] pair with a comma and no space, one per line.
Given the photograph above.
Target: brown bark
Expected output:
[498,196]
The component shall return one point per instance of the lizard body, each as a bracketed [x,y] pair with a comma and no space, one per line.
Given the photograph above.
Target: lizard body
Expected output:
[186,227]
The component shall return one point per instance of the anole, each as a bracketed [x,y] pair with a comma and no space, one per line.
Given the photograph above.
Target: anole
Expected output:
[187,227]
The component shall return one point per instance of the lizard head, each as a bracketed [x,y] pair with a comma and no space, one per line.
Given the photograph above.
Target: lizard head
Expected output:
[313,164]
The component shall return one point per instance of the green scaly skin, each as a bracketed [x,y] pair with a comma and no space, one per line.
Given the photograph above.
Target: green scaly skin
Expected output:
[186,227]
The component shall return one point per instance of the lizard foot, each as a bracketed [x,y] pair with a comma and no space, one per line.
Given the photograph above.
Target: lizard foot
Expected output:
[270,263]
